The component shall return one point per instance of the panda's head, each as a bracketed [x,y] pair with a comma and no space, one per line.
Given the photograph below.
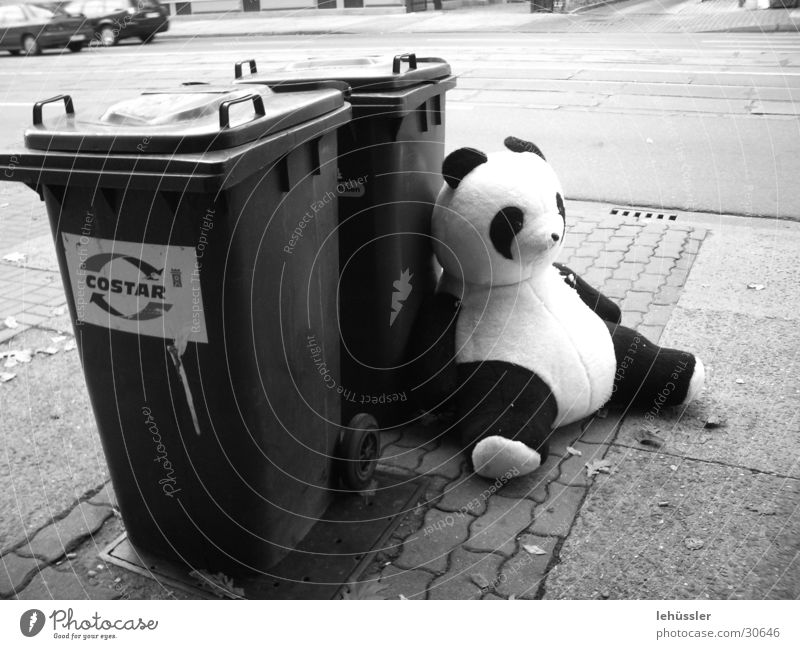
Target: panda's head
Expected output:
[498,217]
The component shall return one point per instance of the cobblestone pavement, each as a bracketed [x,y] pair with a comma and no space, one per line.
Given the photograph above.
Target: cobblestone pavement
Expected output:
[468,538]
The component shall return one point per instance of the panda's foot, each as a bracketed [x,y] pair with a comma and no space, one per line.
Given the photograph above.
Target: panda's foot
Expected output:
[497,457]
[696,383]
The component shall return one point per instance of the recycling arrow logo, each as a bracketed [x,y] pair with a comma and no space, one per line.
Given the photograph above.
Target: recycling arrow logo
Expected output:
[151,310]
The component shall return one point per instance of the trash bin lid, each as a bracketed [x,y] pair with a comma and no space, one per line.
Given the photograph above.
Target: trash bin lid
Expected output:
[362,74]
[193,118]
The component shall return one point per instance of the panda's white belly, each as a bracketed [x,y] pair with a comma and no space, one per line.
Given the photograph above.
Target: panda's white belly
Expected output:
[543,325]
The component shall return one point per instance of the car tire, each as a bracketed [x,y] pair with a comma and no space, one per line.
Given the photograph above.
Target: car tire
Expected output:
[13,52]
[30,45]
[106,36]
[75,47]
[149,38]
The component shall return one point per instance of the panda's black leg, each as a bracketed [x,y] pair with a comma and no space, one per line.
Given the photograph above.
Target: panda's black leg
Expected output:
[590,296]
[498,401]
[649,376]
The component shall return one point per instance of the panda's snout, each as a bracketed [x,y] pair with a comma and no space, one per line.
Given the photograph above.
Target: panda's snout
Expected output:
[555,237]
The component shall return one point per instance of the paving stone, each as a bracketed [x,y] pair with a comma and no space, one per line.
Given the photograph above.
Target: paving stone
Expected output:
[418,436]
[651,332]
[602,430]
[106,496]
[609,259]
[389,437]
[533,485]
[399,457]
[64,535]
[618,244]
[658,315]
[668,295]
[555,515]
[65,584]
[573,469]
[645,238]
[648,282]
[591,249]
[492,596]
[597,276]
[496,530]
[578,265]
[636,300]
[522,575]
[562,437]
[639,253]
[685,262]
[677,277]
[630,229]
[598,235]
[446,461]
[15,571]
[632,319]
[671,249]
[469,576]
[628,270]
[584,226]
[429,546]
[616,288]
[411,584]
[467,492]
[659,265]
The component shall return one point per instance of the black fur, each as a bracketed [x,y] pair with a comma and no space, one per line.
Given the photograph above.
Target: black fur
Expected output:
[459,163]
[500,398]
[517,145]
[590,296]
[506,224]
[648,376]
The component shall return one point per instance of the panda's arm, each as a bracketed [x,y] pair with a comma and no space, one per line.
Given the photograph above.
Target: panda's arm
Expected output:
[590,296]
[432,353]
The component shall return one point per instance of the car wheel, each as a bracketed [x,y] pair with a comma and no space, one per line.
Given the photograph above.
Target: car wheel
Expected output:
[148,39]
[30,45]
[106,37]
[13,52]
[75,47]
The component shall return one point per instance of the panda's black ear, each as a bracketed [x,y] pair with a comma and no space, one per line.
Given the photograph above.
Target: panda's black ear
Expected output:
[459,163]
[521,146]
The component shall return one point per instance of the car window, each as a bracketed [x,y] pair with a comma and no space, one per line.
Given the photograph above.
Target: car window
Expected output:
[11,16]
[94,9]
[115,6]
[39,13]
[148,4]
[74,8]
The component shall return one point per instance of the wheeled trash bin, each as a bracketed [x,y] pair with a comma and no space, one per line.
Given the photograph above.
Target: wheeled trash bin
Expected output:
[196,236]
[389,174]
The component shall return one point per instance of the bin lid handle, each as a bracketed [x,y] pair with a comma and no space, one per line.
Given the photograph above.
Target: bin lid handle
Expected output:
[237,67]
[411,59]
[37,107]
[225,106]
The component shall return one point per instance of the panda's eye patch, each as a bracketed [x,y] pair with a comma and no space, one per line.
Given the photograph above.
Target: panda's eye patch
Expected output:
[505,226]
[560,204]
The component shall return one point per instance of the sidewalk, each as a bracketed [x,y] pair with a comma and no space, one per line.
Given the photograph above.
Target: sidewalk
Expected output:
[706,510]
[690,16]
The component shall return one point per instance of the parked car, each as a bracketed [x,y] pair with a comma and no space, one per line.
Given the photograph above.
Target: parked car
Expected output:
[30,29]
[113,20]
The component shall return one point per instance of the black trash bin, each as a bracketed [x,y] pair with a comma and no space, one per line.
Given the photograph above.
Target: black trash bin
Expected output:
[196,236]
[390,159]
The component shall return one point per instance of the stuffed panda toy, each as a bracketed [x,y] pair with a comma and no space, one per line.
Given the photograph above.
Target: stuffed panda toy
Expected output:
[515,344]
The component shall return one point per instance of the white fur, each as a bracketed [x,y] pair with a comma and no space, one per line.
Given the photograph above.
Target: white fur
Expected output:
[543,325]
[697,381]
[494,456]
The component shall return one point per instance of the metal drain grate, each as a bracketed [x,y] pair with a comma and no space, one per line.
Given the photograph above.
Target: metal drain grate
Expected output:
[642,214]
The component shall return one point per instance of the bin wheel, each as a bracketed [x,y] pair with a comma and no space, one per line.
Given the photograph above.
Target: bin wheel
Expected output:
[358,450]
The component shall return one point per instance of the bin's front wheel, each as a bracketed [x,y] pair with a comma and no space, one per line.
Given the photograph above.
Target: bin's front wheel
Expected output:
[358,450]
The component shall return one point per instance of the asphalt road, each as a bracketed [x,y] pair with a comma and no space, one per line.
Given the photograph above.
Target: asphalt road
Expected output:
[706,122]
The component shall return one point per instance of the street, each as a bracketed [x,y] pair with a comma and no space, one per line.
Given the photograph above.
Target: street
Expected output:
[701,122]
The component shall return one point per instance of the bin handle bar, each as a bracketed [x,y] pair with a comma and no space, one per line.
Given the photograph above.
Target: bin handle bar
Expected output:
[237,67]
[37,107]
[224,108]
[410,58]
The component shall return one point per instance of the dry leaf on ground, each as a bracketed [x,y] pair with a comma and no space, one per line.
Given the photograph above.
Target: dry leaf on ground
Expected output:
[11,322]
[693,543]
[479,580]
[219,583]
[647,436]
[756,287]
[597,466]
[70,345]
[714,422]
[533,549]
[15,257]
[573,451]
[5,377]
